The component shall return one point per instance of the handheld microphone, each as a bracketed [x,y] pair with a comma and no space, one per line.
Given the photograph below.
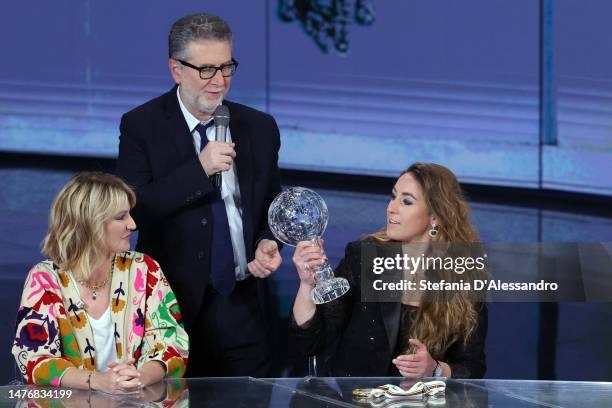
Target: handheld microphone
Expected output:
[222,118]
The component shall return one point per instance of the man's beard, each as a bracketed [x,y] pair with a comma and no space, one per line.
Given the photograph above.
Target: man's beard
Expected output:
[205,107]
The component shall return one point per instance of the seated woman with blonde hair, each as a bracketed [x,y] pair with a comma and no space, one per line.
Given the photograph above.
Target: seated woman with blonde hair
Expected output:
[414,337]
[97,315]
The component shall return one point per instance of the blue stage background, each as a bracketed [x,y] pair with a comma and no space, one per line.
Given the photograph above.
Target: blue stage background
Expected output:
[458,83]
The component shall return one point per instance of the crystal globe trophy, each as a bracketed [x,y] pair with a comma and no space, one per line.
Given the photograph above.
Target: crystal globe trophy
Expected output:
[299,214]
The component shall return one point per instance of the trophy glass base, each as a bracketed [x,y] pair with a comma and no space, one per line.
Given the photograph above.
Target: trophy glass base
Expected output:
[329,290]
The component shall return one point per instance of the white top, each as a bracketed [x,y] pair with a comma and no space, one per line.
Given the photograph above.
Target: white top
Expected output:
[230,192]
[104,343]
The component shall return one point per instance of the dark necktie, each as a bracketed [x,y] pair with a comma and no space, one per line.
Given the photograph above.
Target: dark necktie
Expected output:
[222,254]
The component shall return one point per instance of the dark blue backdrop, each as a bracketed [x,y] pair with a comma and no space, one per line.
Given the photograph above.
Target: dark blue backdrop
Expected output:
[457,83]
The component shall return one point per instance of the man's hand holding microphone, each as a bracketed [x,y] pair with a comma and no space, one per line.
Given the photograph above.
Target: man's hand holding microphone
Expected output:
[218,155]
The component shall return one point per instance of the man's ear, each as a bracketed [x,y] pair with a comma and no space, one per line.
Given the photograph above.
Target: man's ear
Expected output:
[175,70]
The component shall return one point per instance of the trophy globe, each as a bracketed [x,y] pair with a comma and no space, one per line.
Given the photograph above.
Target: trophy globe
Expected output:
[299,214]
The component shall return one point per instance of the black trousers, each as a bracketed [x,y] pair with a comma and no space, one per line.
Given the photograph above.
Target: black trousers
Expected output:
[230,338]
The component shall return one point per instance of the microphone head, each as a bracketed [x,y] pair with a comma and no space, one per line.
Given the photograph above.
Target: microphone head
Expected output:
[222,116]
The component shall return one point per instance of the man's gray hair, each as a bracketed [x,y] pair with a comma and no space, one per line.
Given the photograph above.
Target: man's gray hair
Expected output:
[199,26]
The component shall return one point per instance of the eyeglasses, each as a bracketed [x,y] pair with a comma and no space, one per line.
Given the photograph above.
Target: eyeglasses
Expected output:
[209,71]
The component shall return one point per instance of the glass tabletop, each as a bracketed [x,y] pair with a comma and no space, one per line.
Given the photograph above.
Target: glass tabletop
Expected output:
[459,393]
[239,392]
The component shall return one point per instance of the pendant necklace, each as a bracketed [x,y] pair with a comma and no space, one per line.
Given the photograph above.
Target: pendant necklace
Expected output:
[95,288]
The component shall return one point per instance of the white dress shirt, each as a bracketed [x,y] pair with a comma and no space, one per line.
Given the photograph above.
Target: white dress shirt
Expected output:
[230,192]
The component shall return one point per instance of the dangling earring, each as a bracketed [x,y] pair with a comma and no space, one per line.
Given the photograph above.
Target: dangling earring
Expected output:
[433,231]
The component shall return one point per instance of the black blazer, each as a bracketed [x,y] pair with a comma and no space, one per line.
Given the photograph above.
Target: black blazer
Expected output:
[158,159]
[359,339]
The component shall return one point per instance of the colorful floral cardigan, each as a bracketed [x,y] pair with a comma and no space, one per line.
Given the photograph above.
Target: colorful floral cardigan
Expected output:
[53,334]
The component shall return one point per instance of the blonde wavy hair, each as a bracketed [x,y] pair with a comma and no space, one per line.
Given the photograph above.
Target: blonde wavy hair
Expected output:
[75,240]
[438,324]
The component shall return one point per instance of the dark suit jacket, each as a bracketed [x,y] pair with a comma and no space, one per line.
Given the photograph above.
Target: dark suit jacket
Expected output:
[158,159]
[359,339]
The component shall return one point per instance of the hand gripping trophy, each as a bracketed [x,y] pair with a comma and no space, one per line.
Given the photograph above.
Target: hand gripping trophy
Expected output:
[299,214]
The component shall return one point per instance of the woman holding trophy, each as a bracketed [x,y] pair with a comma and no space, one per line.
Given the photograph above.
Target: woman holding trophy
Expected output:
[415,337]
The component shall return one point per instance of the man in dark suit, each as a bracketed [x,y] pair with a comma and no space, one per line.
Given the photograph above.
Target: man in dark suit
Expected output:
[213,243]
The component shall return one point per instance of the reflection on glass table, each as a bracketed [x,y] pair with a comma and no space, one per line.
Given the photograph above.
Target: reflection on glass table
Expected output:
[232,392]
[551,393]
[163,394]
